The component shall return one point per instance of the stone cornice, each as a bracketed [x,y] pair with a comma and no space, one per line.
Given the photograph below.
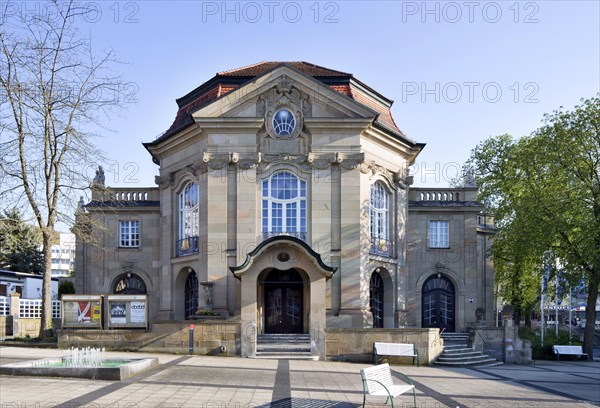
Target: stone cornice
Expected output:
[399,179]
[245,161]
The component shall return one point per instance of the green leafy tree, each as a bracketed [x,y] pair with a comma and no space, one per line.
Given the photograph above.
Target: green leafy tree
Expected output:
[544,190]
[19,244]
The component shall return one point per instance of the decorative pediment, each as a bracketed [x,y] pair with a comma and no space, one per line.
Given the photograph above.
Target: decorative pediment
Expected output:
[284,98]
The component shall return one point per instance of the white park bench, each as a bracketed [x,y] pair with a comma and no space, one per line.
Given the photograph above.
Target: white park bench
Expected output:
[378,381]
[568,351]
[395,349]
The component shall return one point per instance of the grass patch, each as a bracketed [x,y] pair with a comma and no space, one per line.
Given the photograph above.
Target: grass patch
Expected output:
[544,352]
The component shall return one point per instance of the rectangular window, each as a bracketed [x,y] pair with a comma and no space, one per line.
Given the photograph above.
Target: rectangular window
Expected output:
[129,234]
[438,234]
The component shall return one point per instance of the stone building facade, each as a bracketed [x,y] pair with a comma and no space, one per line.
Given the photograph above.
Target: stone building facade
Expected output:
[284,203]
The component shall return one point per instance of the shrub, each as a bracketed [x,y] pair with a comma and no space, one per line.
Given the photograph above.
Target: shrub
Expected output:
[66,287]
[544,352]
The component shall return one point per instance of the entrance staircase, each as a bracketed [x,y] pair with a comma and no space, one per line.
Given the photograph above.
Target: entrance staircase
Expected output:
[457,353]
[284,347]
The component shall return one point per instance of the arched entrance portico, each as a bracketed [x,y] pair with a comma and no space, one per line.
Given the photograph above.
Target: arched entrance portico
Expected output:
[283,290]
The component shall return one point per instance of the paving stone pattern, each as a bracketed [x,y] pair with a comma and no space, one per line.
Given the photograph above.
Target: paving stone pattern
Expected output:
[230,382]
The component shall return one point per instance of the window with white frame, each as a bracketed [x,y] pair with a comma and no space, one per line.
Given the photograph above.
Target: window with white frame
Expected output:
[284,205]
[129,234]
[380,215]
[439,234]
[189,212]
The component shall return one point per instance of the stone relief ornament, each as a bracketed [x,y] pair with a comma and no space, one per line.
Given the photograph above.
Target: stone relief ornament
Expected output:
[216,161]
[247,162]
[284,108]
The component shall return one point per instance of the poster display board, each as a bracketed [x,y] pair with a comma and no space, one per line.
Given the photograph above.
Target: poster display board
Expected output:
[127,311]
[82,311]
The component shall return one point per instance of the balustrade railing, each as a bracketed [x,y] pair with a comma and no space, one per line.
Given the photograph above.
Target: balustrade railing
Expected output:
[296,234]
[187,246]
[382,247]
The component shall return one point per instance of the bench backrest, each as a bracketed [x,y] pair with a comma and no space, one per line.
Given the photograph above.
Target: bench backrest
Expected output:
[567,349]
[380,373]
[394,349]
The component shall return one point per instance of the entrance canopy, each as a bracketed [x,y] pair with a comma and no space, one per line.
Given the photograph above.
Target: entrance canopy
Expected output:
[284,252]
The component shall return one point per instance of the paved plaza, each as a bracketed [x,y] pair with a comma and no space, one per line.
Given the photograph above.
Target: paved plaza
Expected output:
[223,382]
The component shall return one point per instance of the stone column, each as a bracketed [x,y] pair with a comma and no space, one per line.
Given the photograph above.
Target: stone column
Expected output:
[351,269]
[246,242]
[15,310]
[509,335]
[216,244]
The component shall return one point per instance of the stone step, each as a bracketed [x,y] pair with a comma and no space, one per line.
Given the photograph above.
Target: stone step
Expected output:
[477,356]
[283,338]
[488,362]
[284,356]
[454,334]
[457,347]
[279,347]
[465,352]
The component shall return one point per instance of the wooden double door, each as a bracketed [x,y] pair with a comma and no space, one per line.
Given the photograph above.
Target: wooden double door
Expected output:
[284,293]
[438,303]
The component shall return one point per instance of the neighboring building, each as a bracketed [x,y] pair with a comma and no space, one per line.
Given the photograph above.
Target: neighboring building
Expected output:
[28,285]
[448,241]
[283,202]
[63,255]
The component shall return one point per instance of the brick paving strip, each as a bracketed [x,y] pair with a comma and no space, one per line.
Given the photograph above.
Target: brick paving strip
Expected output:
[94,395]
[282,389]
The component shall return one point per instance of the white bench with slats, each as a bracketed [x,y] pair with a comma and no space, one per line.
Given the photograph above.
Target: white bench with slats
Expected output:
[378,381]
[568,350]
[395,349]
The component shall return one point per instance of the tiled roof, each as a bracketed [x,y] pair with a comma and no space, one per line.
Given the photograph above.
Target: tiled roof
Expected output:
[226,81]
[261,68]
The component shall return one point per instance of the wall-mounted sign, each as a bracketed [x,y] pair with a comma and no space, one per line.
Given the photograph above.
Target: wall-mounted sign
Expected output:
[127,311]
[82,311]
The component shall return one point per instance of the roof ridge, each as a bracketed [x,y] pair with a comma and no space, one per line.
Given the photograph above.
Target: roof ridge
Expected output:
[322,67]
[243,67]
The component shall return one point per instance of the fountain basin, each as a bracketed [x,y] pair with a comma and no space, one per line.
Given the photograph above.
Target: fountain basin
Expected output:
[113,370]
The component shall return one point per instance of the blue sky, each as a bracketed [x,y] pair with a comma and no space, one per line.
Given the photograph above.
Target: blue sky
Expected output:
[459,72]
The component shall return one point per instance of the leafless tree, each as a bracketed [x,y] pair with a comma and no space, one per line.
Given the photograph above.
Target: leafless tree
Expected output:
[55,93]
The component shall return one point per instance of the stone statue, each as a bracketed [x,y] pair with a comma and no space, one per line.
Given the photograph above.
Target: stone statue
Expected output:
[470,178]
[99,178]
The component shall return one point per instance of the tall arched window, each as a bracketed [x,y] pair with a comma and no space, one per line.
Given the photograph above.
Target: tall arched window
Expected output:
[284,205]
[380,220]
[189,223]
[376,291]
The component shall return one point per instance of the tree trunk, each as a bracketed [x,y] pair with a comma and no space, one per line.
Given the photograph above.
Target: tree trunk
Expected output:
[590,314]
[46,321]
